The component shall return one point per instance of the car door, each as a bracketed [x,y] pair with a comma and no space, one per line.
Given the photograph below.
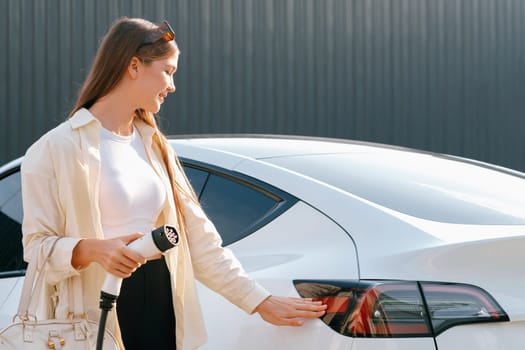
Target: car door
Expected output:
[278,239]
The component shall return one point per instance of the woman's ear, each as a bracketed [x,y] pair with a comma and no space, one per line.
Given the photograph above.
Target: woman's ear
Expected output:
[133,67]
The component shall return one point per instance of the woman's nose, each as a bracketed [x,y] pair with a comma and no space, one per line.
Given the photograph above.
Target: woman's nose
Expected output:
[171,86]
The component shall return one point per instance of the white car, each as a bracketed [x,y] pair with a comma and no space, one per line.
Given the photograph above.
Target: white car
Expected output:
[411,250]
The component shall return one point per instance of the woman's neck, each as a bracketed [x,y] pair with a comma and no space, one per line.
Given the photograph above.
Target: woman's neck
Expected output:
[113,117]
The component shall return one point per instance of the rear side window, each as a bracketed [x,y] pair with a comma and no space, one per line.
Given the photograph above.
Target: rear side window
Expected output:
[11,257]
[237,205]
[197,179]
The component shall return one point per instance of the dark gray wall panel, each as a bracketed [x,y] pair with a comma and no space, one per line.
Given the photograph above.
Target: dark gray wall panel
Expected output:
[439,75]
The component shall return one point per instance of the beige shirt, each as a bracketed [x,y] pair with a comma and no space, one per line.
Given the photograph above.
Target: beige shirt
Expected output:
[60,182]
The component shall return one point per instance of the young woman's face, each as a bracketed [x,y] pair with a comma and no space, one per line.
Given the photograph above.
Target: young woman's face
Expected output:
[156,82]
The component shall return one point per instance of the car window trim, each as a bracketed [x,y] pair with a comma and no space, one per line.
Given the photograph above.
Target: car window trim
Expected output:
[13,273]
[283,199]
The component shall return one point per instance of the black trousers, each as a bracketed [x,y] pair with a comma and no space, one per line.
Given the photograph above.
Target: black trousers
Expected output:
[145,308]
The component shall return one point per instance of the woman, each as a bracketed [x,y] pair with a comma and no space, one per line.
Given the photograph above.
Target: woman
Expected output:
[105,177]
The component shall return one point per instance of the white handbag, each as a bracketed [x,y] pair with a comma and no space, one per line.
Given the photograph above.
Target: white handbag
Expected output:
[28,333]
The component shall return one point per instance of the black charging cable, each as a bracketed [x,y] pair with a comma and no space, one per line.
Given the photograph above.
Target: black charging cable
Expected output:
[106,304]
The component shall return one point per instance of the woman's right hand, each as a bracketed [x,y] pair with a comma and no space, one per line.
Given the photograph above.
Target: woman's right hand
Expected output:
[112,254]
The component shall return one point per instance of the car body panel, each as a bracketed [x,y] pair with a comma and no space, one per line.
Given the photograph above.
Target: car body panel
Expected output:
[10,290]
[291,247]
[234,329]
[504,336]
[395,344]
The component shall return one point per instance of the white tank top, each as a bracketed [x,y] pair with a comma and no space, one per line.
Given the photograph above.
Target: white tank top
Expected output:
[131,193]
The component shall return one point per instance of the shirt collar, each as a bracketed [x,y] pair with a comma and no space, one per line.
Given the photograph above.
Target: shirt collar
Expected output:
[81,118]
[84,117]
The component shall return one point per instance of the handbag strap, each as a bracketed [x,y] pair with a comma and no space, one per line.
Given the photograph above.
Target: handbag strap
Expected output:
[33,280]
[75,297]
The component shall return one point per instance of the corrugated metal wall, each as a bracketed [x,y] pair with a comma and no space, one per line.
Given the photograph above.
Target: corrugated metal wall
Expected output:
[440,75]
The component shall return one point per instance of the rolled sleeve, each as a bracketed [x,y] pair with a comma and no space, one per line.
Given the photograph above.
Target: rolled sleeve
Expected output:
[216,266]
[59,264]
[254,299]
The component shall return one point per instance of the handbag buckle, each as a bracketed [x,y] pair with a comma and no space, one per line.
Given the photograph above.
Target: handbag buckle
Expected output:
[55,341]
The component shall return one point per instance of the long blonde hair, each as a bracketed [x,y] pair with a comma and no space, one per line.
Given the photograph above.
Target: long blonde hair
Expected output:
[123,41]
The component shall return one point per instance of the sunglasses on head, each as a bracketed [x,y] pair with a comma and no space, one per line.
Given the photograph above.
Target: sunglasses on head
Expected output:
[164,32]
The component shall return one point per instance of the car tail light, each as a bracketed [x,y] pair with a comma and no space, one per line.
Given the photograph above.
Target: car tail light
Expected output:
[400,308]
[452,304]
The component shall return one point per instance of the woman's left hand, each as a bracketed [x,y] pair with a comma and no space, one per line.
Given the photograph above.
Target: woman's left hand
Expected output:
[288,311]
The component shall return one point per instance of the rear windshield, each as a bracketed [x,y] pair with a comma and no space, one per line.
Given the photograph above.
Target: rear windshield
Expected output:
[420,185]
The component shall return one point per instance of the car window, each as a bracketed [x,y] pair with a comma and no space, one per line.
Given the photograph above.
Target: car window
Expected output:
[11,257]
[236,205]
[197,178]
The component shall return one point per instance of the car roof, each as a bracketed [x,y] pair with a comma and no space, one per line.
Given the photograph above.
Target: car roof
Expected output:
[267,146]
[262,146]
[11,166]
